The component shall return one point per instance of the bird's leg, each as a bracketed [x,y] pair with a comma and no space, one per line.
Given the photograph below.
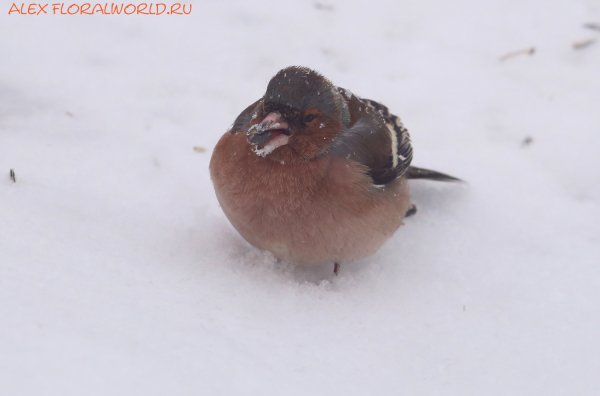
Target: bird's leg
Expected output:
[336,268]
[411,211]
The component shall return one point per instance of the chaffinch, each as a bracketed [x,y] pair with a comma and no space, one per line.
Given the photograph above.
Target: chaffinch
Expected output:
[313,173]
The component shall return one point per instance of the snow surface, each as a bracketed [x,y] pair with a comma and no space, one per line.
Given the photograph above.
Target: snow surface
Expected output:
[120,275]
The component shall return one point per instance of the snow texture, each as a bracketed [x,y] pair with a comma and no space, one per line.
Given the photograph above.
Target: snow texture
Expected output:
[120,275]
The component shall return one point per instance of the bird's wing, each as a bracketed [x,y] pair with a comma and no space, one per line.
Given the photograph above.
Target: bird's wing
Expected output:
[243,120]
[375,138]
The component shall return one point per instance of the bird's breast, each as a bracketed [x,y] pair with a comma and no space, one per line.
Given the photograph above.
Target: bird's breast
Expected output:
[307,212]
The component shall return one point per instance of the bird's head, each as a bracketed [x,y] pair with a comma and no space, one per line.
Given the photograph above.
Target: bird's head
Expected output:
[301,110]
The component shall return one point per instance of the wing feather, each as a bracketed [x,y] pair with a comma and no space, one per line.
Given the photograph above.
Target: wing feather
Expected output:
[377,139]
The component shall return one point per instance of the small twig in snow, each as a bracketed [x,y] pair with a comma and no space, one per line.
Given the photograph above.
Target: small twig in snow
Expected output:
[324,7]
[12,176]
[199,149]
[529,51]
[584,43]
[70,114]
[593,26]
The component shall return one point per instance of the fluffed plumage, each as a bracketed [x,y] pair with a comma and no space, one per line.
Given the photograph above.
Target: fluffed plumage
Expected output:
[313,173]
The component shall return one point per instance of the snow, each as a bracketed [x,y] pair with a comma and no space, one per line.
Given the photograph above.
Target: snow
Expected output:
[119,273]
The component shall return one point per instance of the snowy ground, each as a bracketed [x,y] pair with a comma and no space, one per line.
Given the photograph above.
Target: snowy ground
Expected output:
[119,274]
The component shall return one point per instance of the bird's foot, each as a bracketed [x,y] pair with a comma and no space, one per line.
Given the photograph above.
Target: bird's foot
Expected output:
[336,268]
[411,211]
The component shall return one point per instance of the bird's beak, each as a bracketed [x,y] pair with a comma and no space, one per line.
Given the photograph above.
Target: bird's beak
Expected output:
[270,127]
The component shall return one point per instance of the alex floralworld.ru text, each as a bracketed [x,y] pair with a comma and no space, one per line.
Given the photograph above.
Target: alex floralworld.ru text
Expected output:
[105,9]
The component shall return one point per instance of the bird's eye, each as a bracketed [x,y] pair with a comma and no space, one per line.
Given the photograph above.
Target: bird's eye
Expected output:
[309,117]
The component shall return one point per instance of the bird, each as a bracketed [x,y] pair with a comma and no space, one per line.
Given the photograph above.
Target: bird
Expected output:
[315,174]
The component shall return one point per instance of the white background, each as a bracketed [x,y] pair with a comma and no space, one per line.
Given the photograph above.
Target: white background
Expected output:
[120,275]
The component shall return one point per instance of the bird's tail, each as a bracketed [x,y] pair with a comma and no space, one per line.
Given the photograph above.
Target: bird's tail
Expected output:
[420,173]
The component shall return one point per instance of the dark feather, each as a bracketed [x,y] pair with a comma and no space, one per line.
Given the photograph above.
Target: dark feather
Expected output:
[243,120]
[420,173]
[369,142]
